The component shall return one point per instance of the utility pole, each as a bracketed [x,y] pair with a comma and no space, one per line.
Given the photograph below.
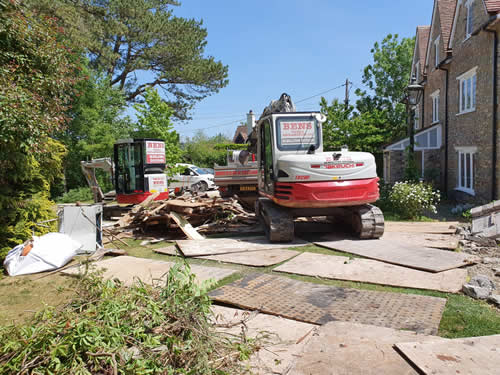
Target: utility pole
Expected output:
[346,102]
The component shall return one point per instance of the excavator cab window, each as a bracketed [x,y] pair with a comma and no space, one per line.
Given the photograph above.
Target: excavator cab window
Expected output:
[129,168]
[267,156]
[297,133]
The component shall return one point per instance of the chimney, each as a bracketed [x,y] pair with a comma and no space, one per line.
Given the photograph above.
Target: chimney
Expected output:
[250,122]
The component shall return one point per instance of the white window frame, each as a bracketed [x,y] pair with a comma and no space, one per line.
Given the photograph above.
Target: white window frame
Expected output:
[468,154]
[436,51]
[467,84]
[469,20]
[416,117]
[435,106]
[400,145]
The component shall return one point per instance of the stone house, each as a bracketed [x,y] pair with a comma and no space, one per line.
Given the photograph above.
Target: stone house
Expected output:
[456,119]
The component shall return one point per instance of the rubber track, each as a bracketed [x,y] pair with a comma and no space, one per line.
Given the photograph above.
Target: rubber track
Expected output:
[278,223]
[372,220]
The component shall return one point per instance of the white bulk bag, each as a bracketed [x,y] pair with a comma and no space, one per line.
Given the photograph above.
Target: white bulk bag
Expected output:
[49,252]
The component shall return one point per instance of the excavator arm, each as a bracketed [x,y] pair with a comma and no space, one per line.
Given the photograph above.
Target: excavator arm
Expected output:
[88,169]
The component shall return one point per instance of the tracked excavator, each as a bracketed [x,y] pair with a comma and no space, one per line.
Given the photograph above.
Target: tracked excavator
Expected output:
[296,178]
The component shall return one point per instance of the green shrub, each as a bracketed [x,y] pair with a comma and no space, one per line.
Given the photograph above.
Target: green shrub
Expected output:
[110,328]
[411,199]
[81,194]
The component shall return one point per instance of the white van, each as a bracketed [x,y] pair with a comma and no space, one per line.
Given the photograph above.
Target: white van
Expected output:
[191,178]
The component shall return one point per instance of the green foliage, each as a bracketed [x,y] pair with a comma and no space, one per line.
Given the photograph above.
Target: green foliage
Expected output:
[376,119]
[37,81]
[124,37]
[81,194]
[206,151]
[359,131]
[109,328]
[97,122]
[411,170]
[231,146]
[411,199]
[386,79]
[153,121]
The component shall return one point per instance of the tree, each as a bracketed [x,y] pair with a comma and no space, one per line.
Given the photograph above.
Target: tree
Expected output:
[97,122]
[203,151]
[386,79]
[125,37]
[153,121]
[37,81]
[358,131]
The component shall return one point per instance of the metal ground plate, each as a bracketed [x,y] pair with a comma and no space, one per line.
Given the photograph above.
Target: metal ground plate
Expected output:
[319,304]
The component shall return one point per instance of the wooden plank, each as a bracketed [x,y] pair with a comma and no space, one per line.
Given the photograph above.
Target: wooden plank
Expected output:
[320,304]
[401,253]
[217,246]
[187,228]
[473,355]
[432,240]
[421,227]
[372,271]
[355,349]
[259,258]
[280,340]
[129,269]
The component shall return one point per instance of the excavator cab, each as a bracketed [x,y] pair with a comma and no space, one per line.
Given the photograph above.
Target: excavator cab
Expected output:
[139,170]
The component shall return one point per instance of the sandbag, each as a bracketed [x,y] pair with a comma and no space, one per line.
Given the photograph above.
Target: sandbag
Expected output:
[49,252]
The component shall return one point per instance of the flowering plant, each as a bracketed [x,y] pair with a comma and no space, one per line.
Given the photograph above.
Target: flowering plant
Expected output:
[411,199]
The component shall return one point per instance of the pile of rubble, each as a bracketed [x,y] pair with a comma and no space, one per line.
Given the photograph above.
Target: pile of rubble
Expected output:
[481,238]
[208,215]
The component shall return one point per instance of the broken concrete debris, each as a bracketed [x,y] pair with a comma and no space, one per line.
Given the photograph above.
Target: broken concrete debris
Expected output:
[480,287]
[486,220]
[494,299]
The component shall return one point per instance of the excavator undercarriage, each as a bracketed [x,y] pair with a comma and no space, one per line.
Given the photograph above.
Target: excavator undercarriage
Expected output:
[365,221]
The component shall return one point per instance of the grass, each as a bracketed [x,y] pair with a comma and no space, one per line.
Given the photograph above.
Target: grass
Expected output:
[463,316]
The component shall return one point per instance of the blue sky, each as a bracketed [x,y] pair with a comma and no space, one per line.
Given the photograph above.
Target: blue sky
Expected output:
[302,47]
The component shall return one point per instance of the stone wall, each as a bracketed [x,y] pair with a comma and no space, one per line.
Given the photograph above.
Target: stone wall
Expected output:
[473,129]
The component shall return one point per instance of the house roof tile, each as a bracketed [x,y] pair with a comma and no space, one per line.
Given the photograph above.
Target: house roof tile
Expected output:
[446,13]
[493,6]
[423,33]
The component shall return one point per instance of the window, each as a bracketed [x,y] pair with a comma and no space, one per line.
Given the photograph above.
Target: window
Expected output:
[465,175]
[297,133]
[470,19]
[435,106]
[427,139]
[436,52]
[416,117]
[417,72]
[467,91]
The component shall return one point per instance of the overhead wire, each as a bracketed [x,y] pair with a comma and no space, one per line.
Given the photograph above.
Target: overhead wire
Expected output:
[244,119]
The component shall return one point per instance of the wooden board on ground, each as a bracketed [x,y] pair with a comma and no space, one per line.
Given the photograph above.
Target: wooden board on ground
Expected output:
[254,258]
[248,258]
[280,340]
[401,253]
[320,304]
[433,240]
[217,246]
[473,355]
[421,227]
[355,349]
[372,271]
[187,228]
[168,250]
[127,269]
